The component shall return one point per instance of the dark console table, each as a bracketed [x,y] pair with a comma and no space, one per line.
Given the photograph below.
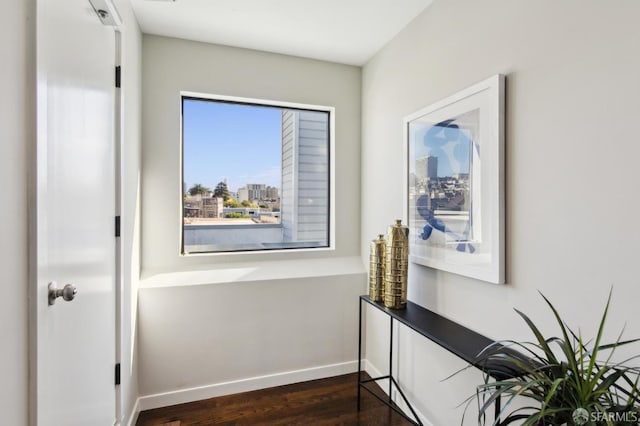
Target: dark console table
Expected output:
[459,340]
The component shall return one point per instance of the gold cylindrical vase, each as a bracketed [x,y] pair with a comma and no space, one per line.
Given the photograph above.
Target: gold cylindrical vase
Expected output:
[376,269]
[396,266]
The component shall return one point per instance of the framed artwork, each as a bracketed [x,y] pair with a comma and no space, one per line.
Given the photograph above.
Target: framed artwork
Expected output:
[455,182]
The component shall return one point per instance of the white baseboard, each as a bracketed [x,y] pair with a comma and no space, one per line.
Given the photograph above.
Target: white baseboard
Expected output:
[133,416]
[374,372]
[182,396]
[371,369]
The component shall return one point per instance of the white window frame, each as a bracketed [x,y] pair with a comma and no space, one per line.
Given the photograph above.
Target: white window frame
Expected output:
[331,174]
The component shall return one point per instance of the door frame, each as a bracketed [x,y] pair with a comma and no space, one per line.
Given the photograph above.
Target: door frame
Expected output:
[34,293]
[118,138]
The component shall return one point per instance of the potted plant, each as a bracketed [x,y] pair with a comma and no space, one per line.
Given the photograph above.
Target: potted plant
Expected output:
[564,380]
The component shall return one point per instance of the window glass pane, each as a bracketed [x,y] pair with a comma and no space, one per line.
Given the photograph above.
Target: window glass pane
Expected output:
[255,177]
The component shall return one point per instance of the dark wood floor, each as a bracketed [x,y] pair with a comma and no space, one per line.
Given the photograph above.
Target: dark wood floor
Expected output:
[331,401]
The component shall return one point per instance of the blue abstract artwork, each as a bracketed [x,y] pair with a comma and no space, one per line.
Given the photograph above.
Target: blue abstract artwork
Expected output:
[454,182]
[443,160]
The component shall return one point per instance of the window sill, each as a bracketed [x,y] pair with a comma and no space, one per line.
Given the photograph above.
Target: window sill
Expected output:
[255,271]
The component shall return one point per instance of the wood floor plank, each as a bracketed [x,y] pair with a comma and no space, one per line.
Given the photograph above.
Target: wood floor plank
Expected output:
[325,402]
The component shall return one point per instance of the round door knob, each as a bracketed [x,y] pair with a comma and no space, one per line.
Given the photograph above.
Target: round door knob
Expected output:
[68,292]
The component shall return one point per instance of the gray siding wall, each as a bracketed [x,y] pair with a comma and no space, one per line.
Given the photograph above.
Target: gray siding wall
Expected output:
[313,170]
[305,170]
[287,199]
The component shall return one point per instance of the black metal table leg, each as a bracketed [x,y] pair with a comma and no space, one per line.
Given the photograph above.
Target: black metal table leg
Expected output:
[359,348]
[497,410]
[390,355]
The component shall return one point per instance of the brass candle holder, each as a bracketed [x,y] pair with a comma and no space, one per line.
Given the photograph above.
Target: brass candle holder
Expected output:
[376,269]
[396,266]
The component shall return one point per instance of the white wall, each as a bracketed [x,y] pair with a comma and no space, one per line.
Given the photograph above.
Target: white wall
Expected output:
[225,323]
[131,88]
[573,98]
[17,112]
[172,65]
[207,340]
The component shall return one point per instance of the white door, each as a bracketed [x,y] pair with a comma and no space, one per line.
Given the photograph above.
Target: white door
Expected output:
[75,207]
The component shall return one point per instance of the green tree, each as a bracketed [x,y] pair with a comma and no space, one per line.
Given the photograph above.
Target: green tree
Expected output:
[247,203]
[221,191]
[198,189]
[232,203]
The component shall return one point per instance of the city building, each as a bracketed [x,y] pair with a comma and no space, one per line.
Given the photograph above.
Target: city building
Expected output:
[256,191]
[271,194]
[427,167]
[208,206]
[243,194]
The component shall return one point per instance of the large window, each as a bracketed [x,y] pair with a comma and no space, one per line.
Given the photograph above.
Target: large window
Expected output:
[255,175]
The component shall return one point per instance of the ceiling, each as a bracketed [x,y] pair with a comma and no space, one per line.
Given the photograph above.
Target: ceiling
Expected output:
[344,31]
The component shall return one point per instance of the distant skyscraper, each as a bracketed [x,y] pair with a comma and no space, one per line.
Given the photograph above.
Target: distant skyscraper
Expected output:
[432,167]
[427,167]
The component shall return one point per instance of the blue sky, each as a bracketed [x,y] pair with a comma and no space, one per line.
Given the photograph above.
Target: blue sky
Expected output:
[239,143]
[452,146]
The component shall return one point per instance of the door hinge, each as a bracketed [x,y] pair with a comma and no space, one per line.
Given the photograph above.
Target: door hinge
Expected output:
[118,75]
[117,374]
[117,226]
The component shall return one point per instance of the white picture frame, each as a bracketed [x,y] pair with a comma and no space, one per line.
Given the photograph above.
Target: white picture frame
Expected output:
[454,188]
